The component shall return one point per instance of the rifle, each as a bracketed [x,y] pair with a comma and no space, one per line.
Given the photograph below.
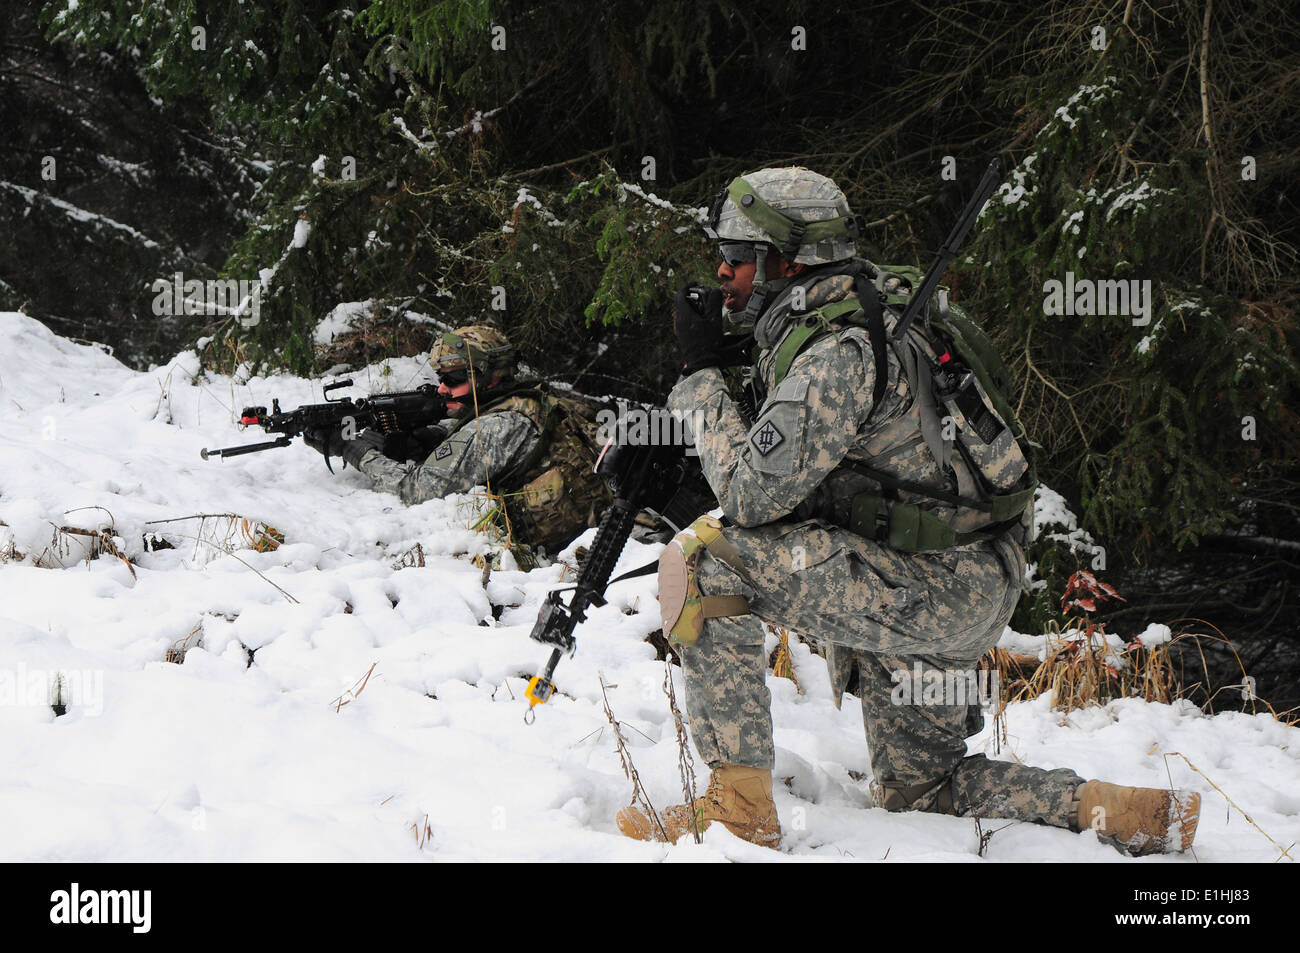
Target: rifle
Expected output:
[390,414]
[921,296]
[661,479]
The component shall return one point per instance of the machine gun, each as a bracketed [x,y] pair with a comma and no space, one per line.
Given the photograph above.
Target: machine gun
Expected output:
[661,479]
[394,414]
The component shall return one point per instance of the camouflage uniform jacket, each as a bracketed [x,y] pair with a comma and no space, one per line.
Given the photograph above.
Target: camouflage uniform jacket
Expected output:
[502,439]
[536,449]
[788,466]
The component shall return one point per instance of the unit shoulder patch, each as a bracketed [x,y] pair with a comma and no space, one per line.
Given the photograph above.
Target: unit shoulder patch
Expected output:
[767,438]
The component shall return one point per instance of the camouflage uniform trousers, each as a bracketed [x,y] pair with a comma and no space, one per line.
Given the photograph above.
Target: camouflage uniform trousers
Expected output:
[890,611]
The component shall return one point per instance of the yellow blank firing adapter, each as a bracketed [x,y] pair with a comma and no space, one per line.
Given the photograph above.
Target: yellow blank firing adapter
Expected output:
[541,688]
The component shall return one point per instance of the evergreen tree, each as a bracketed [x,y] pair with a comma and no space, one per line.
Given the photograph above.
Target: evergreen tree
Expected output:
[421,156]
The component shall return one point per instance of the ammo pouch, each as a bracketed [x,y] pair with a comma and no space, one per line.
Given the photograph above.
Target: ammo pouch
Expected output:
[911,529]
[901,526]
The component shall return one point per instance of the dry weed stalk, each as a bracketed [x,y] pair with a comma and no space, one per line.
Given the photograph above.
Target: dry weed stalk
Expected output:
[1246,685]
[229,531]
[423,832]
[1249,819]
[413,558]
[999,662]
[256,535]
[986,836]
[99,542]
[639,795]
[685,762]
[10,552]
[289,596]
[176,654]
[355,691]
[781,661]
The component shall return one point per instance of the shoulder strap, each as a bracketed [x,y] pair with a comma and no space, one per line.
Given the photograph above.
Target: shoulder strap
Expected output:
[822,321]
[876,333]
[800,337]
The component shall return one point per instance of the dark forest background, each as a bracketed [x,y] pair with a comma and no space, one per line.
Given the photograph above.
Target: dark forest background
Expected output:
[560,152]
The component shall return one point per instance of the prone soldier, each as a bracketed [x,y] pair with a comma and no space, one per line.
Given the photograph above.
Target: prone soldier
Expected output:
[533,447]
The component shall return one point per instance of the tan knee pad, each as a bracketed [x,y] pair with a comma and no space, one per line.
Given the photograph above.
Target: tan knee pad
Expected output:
[682,607]
[897,796]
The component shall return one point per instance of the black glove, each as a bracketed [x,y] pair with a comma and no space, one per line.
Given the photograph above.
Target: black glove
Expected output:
[416,444]
[698,324]
[356,448]
[424,440]
[324,440]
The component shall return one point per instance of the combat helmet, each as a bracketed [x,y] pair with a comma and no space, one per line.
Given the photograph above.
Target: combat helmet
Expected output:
[803,214]
[477,346]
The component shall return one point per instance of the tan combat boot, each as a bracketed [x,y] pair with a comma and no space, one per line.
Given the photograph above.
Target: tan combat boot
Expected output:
[739,797]
[1142,820]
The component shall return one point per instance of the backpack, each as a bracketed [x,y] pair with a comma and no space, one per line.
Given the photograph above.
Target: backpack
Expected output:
[959,384]
[554,493]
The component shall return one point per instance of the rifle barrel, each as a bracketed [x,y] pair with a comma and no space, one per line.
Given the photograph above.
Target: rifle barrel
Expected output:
[205,453]
[921,296]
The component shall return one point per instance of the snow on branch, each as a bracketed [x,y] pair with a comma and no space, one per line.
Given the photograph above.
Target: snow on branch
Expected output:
[301,231]
[81,215]
[474,125]
[700,215]
[420,144]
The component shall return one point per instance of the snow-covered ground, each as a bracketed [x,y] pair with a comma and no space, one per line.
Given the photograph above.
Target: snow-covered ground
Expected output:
[299,756]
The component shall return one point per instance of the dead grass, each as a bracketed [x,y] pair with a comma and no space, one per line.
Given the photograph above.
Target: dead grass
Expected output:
[226,532]
[1086,666]
[1083,666]
[639,796]
[685,761]
[423,832]
[225,352]
[413,558]
[10,552]
[65,540]
[780,661]
[176,654]
[102,542]
[353,693]
[381,334]
[490,517]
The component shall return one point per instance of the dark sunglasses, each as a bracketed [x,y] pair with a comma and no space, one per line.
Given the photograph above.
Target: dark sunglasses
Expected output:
[737,253]
[454,378]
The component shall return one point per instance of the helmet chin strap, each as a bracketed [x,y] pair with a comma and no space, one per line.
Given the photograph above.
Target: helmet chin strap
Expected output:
[763,289]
